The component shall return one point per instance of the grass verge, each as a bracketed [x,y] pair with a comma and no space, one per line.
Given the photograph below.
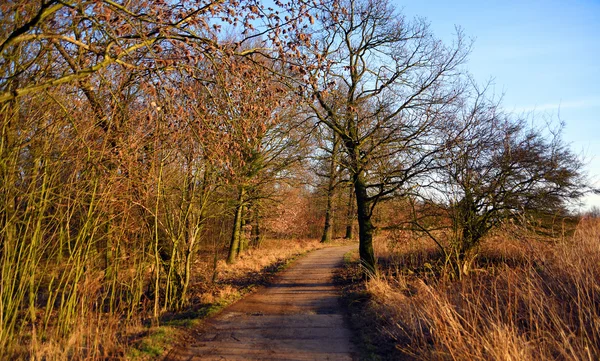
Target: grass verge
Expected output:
[525,300]
[371,341]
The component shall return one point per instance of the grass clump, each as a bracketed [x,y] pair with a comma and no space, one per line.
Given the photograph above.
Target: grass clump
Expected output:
[370,342]
[153,344]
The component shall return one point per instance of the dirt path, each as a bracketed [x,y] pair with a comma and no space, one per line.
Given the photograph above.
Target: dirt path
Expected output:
[296,318]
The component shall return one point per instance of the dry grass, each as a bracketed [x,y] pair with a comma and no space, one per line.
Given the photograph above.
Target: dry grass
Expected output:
[523,301]
[270,253]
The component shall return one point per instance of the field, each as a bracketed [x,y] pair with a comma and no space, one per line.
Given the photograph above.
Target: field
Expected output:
[525,299]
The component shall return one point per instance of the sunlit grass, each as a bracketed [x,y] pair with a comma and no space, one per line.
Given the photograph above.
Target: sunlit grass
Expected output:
[523,300]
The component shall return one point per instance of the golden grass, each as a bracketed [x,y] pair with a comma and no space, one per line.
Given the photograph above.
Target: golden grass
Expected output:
[524,301]
[271,252]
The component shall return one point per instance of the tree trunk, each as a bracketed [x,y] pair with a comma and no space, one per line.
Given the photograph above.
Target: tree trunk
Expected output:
[350,215]
[256,236]
[234,246]
[328,228]
[363,204]
[365,227]
[243,243]
[193,232]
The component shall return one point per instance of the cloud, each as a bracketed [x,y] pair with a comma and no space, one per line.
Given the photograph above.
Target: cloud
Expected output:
[588,102]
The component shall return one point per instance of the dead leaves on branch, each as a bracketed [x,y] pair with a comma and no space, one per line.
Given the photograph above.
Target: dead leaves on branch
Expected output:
[143,35]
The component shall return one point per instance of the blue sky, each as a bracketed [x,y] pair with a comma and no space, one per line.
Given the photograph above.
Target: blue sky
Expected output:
[544,56]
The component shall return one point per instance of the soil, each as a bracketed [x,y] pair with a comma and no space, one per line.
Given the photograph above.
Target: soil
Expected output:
[297,317]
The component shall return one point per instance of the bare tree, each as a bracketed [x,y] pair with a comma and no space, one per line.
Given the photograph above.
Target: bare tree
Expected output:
[496,167]
[383,84]
[330,169]
[262,137]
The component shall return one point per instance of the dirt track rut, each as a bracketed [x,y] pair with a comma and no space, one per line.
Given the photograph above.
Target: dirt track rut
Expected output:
[298,317]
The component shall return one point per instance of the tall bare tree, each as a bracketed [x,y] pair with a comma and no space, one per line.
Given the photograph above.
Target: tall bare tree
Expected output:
[329,163]
[383,84]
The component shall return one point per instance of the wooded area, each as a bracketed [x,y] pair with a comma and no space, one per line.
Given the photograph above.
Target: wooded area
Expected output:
[140,139]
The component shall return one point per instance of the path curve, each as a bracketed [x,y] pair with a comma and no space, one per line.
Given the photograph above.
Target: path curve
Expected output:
[298,317]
